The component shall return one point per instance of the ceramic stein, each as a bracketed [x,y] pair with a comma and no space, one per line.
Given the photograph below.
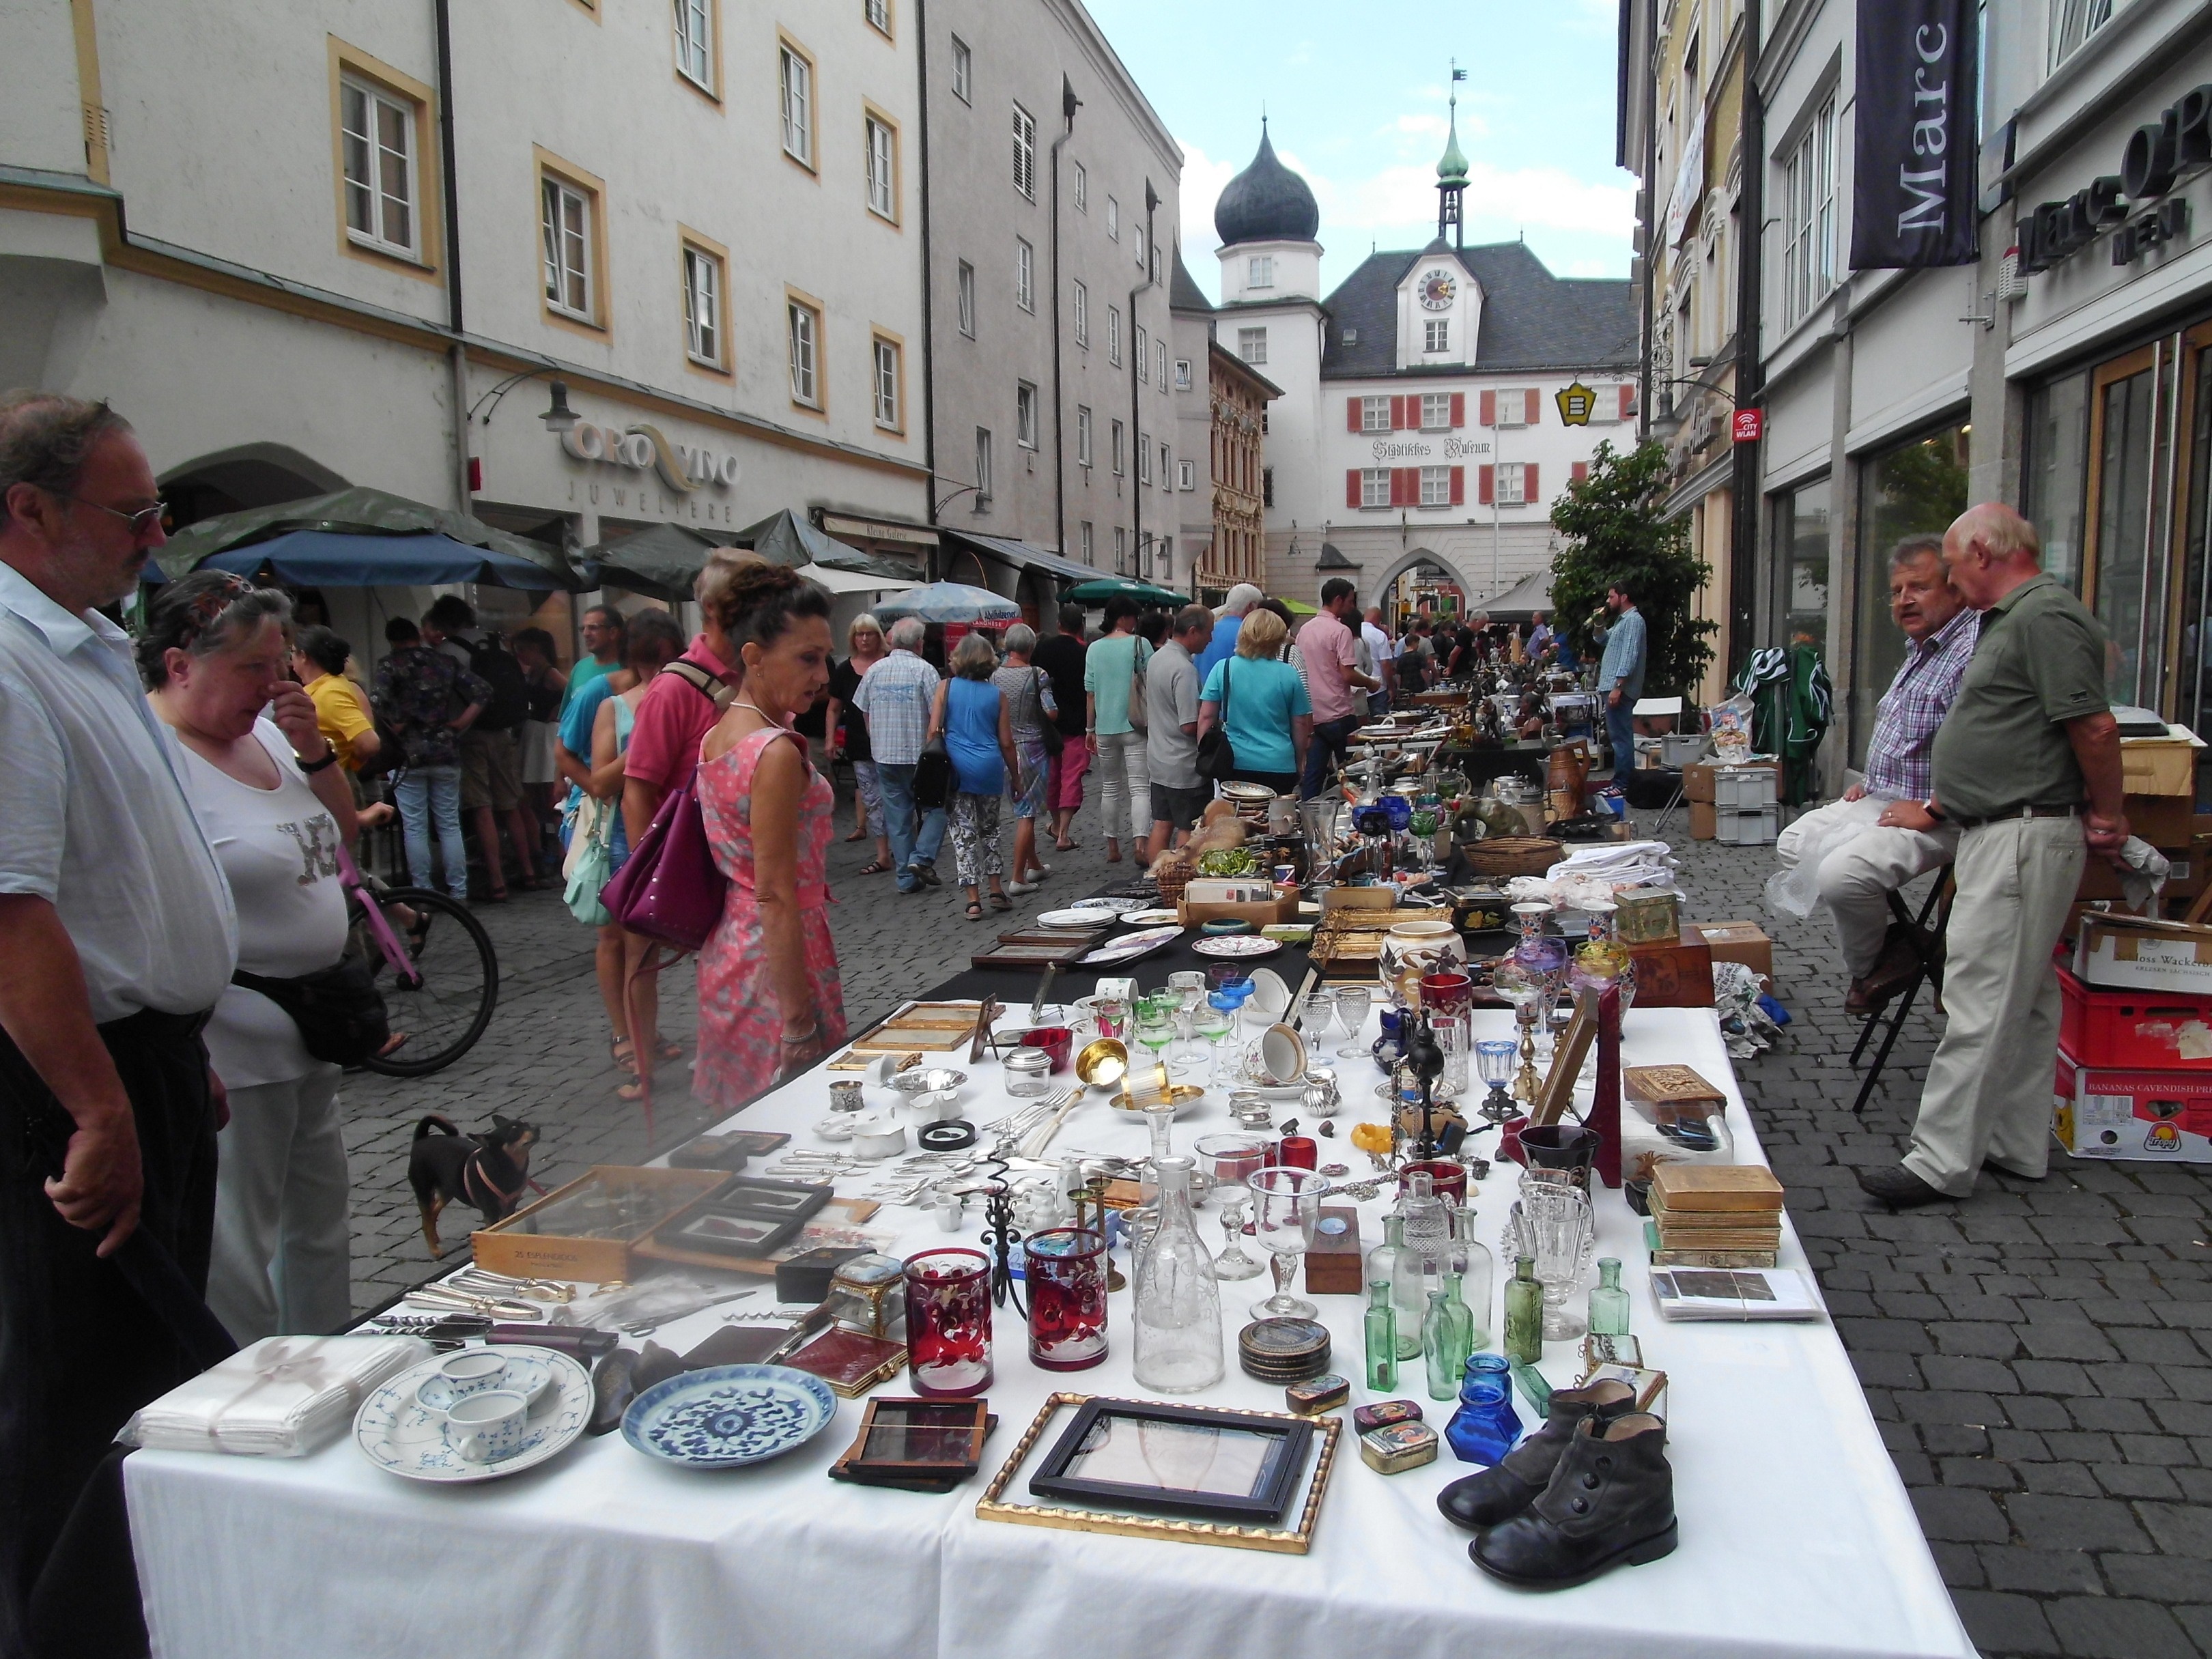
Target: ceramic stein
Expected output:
[489,1427]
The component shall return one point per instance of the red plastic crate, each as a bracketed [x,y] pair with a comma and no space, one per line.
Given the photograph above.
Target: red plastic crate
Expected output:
[2154,1029]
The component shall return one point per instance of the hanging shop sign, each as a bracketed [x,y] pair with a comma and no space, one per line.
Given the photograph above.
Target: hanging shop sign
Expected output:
[1914,186]
[643,448]
[1578,403]
[2134,203]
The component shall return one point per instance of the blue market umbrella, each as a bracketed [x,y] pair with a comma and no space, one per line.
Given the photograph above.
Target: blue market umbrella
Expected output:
[951,602]
[324,558]
[387,530]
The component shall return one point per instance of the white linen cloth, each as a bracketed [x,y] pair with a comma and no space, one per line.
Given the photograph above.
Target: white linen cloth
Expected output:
[1797,1538]
[285,1396]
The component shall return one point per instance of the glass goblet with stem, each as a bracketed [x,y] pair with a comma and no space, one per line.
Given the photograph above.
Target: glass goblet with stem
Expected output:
[1156,1023]
[1232,1158]
[1352,1002]
[1217,1018]
[1286,1206]
[1319,1014]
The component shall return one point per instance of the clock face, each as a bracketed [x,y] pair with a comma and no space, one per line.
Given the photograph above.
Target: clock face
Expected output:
[1437,290]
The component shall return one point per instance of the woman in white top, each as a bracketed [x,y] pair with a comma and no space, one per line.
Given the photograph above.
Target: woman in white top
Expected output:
[276,809]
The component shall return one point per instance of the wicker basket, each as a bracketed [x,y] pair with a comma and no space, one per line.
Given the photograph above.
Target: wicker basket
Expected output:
[1172,881]
[1512,855]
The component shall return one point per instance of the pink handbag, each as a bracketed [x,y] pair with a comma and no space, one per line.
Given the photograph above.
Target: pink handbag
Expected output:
[671,888]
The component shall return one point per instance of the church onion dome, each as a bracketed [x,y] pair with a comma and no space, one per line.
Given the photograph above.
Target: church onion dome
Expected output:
[1452,169]
[1266,203]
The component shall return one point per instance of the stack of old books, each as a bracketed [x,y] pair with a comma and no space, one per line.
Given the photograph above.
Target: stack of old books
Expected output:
[1710,1215]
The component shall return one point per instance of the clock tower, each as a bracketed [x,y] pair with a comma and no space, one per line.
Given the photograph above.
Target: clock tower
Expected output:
[1451,177]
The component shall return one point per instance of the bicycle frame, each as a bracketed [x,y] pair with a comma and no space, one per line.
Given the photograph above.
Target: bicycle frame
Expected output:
[349,878]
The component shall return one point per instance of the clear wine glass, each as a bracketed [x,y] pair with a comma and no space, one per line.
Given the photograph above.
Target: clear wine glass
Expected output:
[1232,1158]
[1285,1207]
[1352,1002]
[1320,1013]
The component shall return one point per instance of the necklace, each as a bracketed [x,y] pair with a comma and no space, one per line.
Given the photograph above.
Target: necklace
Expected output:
[739,703]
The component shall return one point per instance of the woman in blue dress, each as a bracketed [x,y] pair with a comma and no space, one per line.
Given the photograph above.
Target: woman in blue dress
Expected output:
[971,715]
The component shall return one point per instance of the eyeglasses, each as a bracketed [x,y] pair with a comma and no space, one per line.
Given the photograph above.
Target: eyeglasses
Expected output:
[144,519]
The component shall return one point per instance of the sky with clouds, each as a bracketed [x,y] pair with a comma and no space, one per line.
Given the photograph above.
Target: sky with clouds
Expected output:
[1355,97]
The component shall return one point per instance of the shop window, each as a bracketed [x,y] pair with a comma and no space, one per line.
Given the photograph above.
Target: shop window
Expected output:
[2057,467]
[1912,488]
[1801,566]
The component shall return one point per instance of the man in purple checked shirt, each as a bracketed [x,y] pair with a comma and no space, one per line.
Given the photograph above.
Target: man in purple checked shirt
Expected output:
[1879,835]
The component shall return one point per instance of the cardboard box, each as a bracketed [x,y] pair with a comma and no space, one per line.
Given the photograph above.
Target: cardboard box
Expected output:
[1734,941]
[2142,1030]
[2159,766]
[2125,952]
[2141,1116]
[1677,976]
[2163,820]
[1263,915]
[1704,819]
[1698,783]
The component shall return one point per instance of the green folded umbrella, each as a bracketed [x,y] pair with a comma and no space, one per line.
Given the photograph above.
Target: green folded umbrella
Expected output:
[1111,587]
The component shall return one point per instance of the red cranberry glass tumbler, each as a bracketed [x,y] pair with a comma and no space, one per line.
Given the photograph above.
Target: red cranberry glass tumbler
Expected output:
[948,1322]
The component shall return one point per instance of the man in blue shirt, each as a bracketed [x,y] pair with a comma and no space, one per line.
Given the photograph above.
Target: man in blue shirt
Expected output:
[1620,676]
[1226,621]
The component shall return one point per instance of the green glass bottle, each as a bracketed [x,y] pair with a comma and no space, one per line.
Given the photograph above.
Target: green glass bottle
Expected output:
[1524,1313]
[1382,1338]
[1461,1318]
[1435,1348]
[1608,1303]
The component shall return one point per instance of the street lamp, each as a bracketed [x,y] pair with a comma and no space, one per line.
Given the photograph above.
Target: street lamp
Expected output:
[559,418]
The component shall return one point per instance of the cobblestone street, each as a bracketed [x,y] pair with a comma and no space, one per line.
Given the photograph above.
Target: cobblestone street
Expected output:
[2041,1359]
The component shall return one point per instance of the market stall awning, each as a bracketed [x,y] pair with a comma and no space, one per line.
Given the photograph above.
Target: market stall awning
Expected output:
[1102,588]
[390,527]
[663,563]
[784,537]
[323,558]
[1022,556]
[1518,602]
[834,580]
[951,602]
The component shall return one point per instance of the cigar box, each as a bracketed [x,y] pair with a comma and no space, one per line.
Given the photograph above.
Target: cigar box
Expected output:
[1335,1263]
[1676,975]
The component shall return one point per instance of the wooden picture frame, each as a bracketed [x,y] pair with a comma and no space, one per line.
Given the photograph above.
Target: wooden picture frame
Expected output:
[914,1439]
[1558,1092]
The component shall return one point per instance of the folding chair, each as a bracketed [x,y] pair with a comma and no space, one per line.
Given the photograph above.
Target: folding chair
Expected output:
[1928,967]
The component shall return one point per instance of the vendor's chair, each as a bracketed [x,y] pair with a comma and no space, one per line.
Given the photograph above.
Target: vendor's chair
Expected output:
[1927,944]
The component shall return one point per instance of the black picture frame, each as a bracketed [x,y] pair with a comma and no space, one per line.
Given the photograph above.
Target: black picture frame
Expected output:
[750,1236]
[780,1200]
[1265,1503]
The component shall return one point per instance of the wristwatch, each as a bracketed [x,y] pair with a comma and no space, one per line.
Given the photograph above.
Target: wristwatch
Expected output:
[329,758]
[1933,811]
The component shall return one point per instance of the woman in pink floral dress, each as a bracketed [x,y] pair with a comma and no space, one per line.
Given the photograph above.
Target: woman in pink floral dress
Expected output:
[769,1001]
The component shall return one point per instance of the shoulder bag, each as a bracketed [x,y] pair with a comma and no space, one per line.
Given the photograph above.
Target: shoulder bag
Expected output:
[1048,730]
[1217,759]
[671,888]
[339,1011]
[1141,717]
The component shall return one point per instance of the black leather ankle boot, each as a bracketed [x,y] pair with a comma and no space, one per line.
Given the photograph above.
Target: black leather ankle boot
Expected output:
[1610,1502]
[1518,1478]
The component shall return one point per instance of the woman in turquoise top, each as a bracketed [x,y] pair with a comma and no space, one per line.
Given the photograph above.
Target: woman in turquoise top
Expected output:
[1270,719]
[971,715]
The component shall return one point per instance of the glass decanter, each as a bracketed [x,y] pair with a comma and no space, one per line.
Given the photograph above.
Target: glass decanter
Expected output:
[1178,1300]
[1486,1426]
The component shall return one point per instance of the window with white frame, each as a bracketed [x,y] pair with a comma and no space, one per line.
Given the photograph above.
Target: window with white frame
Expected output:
[982,465]
[1167,467]
[702,306]
[565,220]
[1809,216]
[887,384]
[967,286]
[1436,486]
[1113,335]
[379,148]
[1121,549]
[805,324]
[1143,457]
[798,92]
[695,44]
[1080,303]
[1252,344]
[879,14]
[1513,406]
[1113,220]
[1182,375]
[1025,152]
[1374,486]
[1083,435]
[1437,336]
[1436,412]
[1119,443]
[1185,475]
[1082,189]
[1261,272]
[1137,241]
[1024,274]
[1512,488]
[964,71]
[882,169]
[1374,413]
[1143,357]
[1088,543]
[1160,364]
[1025,415]
[2072,24]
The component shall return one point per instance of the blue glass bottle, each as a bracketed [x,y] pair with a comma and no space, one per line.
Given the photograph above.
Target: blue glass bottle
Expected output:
[1486,1426]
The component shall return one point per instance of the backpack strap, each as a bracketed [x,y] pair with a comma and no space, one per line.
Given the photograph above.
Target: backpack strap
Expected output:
[707,685]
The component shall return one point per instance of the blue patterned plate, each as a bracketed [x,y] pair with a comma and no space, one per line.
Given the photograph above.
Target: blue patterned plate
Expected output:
[396,1432]
[727,1416]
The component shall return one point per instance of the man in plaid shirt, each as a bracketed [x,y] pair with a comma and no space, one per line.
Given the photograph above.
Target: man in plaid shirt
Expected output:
[1879,835]
[894,696]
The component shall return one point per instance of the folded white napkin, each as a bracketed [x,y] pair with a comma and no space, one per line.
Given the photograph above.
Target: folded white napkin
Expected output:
[282,1397]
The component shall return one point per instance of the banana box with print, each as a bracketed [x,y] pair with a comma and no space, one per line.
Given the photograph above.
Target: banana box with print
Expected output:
[2133,1116]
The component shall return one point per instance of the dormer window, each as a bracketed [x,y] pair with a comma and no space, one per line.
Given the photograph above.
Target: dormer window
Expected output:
[1437,336]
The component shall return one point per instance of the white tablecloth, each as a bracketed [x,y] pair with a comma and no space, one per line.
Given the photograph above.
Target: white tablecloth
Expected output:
[1796,1536]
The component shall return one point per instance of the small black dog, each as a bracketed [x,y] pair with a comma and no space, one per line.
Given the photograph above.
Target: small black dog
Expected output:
[490,1171]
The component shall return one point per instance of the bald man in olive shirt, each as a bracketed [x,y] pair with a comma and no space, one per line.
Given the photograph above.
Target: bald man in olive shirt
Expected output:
[2027,765]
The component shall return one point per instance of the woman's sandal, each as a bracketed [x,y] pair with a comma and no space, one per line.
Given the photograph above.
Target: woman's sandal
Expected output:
[974,913]
[875,867]
[624,1053]
[1001,902]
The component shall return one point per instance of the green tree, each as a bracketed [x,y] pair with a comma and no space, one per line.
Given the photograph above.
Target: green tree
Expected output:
[1614,533]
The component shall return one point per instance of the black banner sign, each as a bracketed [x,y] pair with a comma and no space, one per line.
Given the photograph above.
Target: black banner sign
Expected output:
[1913,196]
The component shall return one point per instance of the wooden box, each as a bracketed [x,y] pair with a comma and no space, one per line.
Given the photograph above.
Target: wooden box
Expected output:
[521,1247]
[1677,976]
[1335,1263]
[1260,915]
[2159,766]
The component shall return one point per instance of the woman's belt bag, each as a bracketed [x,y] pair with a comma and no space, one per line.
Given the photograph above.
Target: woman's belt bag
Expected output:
[339,1011]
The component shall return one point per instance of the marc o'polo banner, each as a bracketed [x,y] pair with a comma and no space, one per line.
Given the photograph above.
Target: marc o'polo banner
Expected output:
[1913,196]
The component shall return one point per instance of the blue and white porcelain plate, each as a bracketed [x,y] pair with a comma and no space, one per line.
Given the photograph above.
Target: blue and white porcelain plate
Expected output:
[397,1433]
[728,1416]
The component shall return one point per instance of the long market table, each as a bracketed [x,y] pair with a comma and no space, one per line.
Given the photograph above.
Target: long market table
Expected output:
[1797,1536]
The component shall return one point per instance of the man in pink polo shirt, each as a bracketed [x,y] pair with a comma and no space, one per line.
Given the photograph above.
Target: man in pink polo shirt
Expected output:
[1331,655]
[678,710]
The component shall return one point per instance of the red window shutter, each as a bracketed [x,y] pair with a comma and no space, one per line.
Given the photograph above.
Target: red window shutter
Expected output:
[1578,471]
[1458,481]
[1352,486]
[1486,480]
[1351,414]
[1489,416]
[1397,486]
[1535,406]
[1405,414]
[1528,481]
[1459,410]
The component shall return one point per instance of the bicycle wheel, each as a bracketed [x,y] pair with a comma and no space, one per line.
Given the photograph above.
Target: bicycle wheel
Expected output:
[443,1004]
